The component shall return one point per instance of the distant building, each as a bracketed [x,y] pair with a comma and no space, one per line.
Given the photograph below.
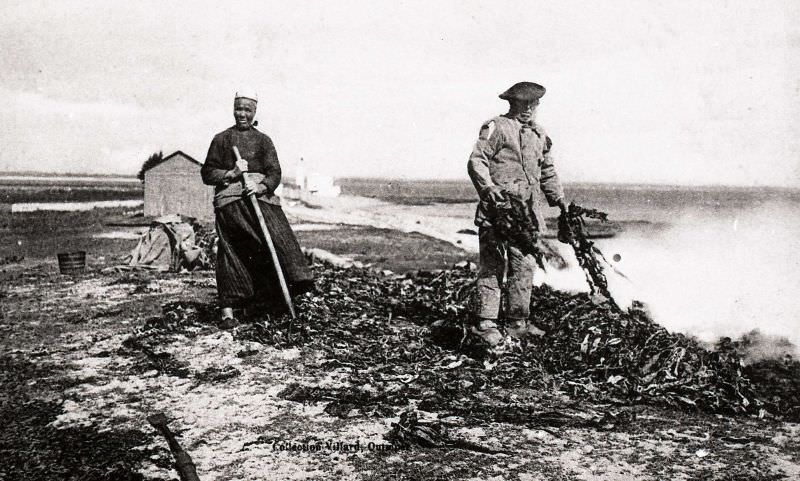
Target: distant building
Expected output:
[314,183]
[322,185]
[174,186]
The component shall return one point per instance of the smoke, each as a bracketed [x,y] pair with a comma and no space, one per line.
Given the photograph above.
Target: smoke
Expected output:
[573,279]
[755,346]
[718,275]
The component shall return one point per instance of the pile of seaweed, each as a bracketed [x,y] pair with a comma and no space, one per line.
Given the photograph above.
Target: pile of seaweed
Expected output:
[149,346]
[400,340]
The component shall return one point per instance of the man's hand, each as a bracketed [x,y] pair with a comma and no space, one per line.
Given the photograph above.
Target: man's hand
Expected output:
[495,194]
[565,234]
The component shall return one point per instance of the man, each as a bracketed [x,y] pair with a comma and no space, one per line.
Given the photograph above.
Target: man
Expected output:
[511,157]
[245,273]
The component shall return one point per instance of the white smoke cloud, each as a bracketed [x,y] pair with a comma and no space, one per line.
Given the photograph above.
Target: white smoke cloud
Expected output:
[721,276]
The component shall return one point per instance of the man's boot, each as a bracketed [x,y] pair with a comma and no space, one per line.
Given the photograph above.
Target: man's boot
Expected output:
[519,328]
[487,331]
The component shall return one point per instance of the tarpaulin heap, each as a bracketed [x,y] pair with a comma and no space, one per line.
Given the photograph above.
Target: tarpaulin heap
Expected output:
[169,245]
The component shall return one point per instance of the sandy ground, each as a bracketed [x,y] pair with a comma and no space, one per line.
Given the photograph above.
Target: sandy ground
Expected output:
[239,428]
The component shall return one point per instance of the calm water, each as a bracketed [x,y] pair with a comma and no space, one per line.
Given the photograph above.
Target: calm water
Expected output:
[622,202]
[708,261]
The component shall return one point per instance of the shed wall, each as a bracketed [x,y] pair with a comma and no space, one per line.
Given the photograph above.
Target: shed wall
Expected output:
[175,187]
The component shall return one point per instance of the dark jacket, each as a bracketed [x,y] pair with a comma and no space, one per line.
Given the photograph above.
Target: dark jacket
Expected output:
[255,147]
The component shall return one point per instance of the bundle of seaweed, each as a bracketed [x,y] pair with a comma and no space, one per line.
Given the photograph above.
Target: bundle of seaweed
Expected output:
[513,220]
[411,431]
[572,230]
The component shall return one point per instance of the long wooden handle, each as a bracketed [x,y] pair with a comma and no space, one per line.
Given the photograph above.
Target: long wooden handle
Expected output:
[183,462]
[268,239]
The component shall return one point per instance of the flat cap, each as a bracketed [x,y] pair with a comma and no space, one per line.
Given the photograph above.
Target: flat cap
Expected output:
[523,91]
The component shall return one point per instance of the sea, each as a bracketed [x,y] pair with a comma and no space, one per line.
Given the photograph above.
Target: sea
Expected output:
[708,261]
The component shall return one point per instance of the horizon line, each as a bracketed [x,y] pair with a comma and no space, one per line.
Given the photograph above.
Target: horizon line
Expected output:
[464,179]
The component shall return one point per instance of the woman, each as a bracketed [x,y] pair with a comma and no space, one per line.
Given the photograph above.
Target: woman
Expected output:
[245,273]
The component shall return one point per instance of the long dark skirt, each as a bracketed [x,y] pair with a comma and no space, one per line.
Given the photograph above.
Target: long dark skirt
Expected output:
[245,274]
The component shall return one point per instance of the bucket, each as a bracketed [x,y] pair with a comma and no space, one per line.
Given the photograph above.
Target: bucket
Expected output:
[71,262]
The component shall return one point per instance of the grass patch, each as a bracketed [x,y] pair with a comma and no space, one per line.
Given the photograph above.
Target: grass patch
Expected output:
[43,234]
[390,249]
[55,192]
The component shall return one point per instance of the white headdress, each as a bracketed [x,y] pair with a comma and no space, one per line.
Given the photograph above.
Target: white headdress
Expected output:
[246,94]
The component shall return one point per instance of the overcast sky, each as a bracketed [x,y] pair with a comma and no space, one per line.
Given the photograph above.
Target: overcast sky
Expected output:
[680,92]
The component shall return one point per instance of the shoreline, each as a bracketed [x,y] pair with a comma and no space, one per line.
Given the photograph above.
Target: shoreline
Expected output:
[73,206]
[367,211]
[438,222]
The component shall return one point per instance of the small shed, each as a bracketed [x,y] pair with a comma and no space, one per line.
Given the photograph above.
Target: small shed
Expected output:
[174,186]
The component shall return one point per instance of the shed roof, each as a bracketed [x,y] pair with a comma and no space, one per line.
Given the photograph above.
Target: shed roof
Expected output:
[176,153]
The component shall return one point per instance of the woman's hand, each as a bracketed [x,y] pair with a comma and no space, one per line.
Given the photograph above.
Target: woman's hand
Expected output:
[256,188]
[232,175]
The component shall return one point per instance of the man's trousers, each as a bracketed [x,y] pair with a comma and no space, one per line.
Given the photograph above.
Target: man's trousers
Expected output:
[499,259]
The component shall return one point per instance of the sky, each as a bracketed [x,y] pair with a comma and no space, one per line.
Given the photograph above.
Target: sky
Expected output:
[678,92]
